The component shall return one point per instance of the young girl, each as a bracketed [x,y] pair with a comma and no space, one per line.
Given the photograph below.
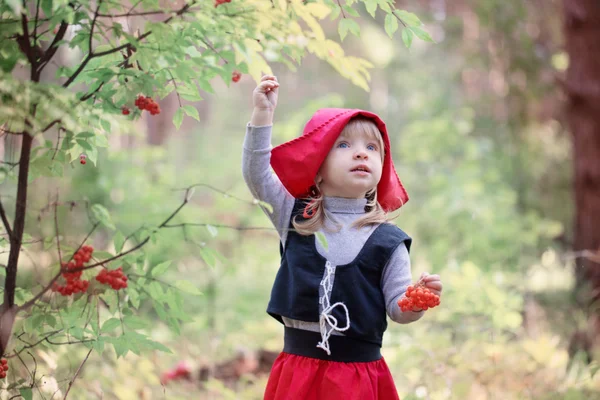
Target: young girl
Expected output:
[336,180]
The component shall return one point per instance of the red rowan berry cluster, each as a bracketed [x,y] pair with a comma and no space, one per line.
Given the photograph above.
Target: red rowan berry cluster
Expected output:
[125,110]
[74,283]
[3,368]
[182,371]
[82,158]
[115,278]
[235,76]
[146,103]
[219,2]
[418,296]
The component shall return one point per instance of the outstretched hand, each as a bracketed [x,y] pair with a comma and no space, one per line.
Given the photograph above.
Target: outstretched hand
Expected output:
[265,95]
[424,294]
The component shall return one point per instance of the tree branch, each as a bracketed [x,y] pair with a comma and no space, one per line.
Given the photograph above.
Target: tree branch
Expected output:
[237,228]
[120,255]
[35,22]
[60,34]
[5,220]
[92,27]
[92,55]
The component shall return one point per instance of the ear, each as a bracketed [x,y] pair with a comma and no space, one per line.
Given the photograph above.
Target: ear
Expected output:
[318,179]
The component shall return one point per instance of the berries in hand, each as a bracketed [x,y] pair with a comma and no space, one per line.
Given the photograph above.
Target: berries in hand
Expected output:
[235,76]
[418,296]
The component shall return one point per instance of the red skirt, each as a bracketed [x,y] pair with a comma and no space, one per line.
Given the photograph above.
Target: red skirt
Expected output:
[295,377]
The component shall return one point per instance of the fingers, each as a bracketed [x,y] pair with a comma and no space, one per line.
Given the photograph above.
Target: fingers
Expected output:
[429,278]
[432,282]
[269,82]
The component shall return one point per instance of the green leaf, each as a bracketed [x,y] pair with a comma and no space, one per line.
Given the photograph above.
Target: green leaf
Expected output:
[121,347]
[409,19]
[98,345]
[347,24]
[178,118]
[391,24]
[134,297]
[101,141]
[160,269]
[15,5]
[343,28]
[188,287]
[118,241]
[208,256]
[106,125]
[110,325]
[351,11]
[158,346]
[101,214]
[323,240]
[47,7]
[102,255]
[212,230]
[407,37]
[371,6]
[135,322]
[191,111]
[421,34]
[27,393]
[266,205]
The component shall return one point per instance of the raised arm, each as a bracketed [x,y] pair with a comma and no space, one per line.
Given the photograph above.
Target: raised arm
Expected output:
[263,184]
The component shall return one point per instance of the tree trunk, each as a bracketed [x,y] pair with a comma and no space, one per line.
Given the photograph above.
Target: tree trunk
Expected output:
[582,87]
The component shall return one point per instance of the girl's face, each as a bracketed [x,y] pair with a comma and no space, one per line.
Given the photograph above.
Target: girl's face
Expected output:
[353,165]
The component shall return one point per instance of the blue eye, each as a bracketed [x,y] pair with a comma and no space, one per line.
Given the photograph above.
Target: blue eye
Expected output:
[372,147]
[343,145]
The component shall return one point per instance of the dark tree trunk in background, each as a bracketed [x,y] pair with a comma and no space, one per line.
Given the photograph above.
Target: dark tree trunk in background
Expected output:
[582,87]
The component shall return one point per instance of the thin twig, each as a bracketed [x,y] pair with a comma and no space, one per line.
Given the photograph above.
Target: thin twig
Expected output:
[57,232]
[77,373]
[93,24]
[175,84]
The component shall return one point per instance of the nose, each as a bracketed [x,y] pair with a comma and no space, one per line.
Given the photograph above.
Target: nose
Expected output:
[361,155]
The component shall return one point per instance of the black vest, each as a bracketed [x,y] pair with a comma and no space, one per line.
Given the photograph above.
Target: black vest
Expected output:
[295,292]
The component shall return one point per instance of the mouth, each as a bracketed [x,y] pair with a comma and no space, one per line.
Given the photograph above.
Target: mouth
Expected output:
[361,168]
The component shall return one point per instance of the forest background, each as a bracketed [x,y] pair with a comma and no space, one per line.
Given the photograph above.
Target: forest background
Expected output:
[493,108]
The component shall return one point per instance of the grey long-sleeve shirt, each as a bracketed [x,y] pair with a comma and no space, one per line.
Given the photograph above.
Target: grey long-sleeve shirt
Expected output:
[343,245]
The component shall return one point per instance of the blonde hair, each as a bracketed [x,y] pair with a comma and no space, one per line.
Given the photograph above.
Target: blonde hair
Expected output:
[374,212]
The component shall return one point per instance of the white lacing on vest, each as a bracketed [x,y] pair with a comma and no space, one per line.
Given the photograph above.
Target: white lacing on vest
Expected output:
[326,317]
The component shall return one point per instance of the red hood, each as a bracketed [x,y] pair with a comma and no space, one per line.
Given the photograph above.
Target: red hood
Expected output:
[297,162]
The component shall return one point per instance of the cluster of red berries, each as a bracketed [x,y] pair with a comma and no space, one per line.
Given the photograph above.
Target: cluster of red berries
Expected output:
[219,2]
[125,110]
[235,76]
[3,368]
[82,158]
[181,371]
[146,103]
[74,283]
[418,296]
[115,278]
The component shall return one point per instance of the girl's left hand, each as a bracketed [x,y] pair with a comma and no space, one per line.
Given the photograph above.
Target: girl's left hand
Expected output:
[432,282]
